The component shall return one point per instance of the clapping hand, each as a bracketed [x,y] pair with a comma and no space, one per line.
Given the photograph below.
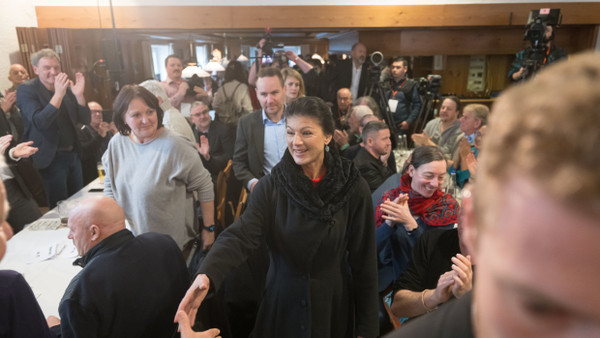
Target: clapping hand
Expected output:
[340,137]
[8,101]
[203,147]
[5,142]
[397,211]
[24,150]
[463,275]
[78,86]
[464,148]
[421,139]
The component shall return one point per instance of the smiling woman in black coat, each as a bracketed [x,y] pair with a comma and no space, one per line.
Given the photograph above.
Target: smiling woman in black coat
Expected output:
[314,211]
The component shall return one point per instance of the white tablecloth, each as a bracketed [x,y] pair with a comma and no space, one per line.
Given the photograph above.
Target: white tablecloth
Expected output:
[48,278]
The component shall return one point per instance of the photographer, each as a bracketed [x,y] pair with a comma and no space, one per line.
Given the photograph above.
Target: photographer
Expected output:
[539,53]
[403,96]
[280,60]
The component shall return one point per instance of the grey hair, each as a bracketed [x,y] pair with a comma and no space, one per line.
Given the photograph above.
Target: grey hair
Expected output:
[155,88]
[43,53]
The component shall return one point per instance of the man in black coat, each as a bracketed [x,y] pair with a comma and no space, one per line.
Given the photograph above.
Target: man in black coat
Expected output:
[129,286]
[371,159]
[351,73]
[213,140]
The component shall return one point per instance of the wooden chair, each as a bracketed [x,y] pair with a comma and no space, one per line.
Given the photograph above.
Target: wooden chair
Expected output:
[241,203]
[221,194]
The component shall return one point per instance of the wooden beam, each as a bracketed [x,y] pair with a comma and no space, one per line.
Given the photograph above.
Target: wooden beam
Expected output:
[316,17]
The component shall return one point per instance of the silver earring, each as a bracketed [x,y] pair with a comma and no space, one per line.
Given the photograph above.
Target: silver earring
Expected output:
[327,148]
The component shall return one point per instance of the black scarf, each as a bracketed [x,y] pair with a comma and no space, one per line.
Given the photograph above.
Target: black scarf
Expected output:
[330,194]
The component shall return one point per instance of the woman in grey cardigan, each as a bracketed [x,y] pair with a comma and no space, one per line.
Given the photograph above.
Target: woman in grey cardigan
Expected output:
[152,172]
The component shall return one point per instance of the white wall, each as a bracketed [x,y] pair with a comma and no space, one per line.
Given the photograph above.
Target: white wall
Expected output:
[20,13]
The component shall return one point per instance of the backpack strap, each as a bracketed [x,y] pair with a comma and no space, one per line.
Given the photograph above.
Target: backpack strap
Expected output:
[236,87]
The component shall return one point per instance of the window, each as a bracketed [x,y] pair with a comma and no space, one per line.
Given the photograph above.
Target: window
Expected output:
[159,54]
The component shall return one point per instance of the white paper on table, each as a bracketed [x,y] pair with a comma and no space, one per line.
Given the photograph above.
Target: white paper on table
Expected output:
[44,253]
[393,105]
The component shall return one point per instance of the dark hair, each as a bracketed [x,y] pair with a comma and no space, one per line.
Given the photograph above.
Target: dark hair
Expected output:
[455,99]
[270,72]
[121,105]
[372,126]
[235,71]
[173,56]
[426,154]
[312,107]
[400,59]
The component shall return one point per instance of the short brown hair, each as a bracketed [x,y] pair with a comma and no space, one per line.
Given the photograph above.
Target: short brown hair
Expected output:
[173,56]
[121,105]
[546,130]
[270,72]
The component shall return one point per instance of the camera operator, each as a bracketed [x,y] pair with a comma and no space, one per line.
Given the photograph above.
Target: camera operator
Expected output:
[280,60]
[403,96]
[526,62]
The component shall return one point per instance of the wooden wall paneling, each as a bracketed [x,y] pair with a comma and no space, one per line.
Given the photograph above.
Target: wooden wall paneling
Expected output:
[496,77]
[455,75]
[193,17]
[468,41]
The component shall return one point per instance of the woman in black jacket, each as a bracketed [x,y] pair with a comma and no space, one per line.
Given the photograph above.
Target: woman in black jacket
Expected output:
[315,213]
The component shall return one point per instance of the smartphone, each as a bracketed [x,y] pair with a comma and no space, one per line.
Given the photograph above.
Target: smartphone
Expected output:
[107,115]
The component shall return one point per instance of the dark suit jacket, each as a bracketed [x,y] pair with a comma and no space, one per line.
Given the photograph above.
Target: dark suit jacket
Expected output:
[220,142]
[40,119]
[249,153]
[342,78]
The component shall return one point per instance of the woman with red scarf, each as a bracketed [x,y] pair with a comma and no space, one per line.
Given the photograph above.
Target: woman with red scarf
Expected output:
[416,205]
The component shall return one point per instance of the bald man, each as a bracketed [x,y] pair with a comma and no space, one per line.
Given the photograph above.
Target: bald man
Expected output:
[129,286]
[17,74]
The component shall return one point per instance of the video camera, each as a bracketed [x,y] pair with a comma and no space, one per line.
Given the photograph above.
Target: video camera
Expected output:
[269,57]
[430,85]
[536,35]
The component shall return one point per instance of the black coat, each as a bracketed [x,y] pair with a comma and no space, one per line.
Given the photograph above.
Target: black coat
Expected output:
[341,77]
[322,279]
[371,169]
[220,143]
[129,287]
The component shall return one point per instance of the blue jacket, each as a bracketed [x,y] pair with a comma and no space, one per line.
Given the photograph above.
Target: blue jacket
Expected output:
[40,119]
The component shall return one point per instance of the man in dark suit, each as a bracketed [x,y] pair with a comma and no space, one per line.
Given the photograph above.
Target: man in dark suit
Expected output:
[372,158]
[129,286]
[213,140]
[261,136]
[353,73]
[52,106]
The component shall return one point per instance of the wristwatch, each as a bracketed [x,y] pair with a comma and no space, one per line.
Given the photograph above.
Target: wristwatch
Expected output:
[209,228]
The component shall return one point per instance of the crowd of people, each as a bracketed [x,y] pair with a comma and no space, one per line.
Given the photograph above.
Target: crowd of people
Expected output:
[317,250]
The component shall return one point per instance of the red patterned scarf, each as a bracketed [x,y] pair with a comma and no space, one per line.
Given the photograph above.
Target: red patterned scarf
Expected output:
[438,210]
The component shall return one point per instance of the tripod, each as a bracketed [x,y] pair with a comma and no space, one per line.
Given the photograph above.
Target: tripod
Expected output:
[375,90]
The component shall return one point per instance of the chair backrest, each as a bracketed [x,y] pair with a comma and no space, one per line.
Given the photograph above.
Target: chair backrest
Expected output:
[241,203]
[221,194]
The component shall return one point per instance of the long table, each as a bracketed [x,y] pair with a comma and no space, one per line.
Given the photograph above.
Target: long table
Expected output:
[27,250]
